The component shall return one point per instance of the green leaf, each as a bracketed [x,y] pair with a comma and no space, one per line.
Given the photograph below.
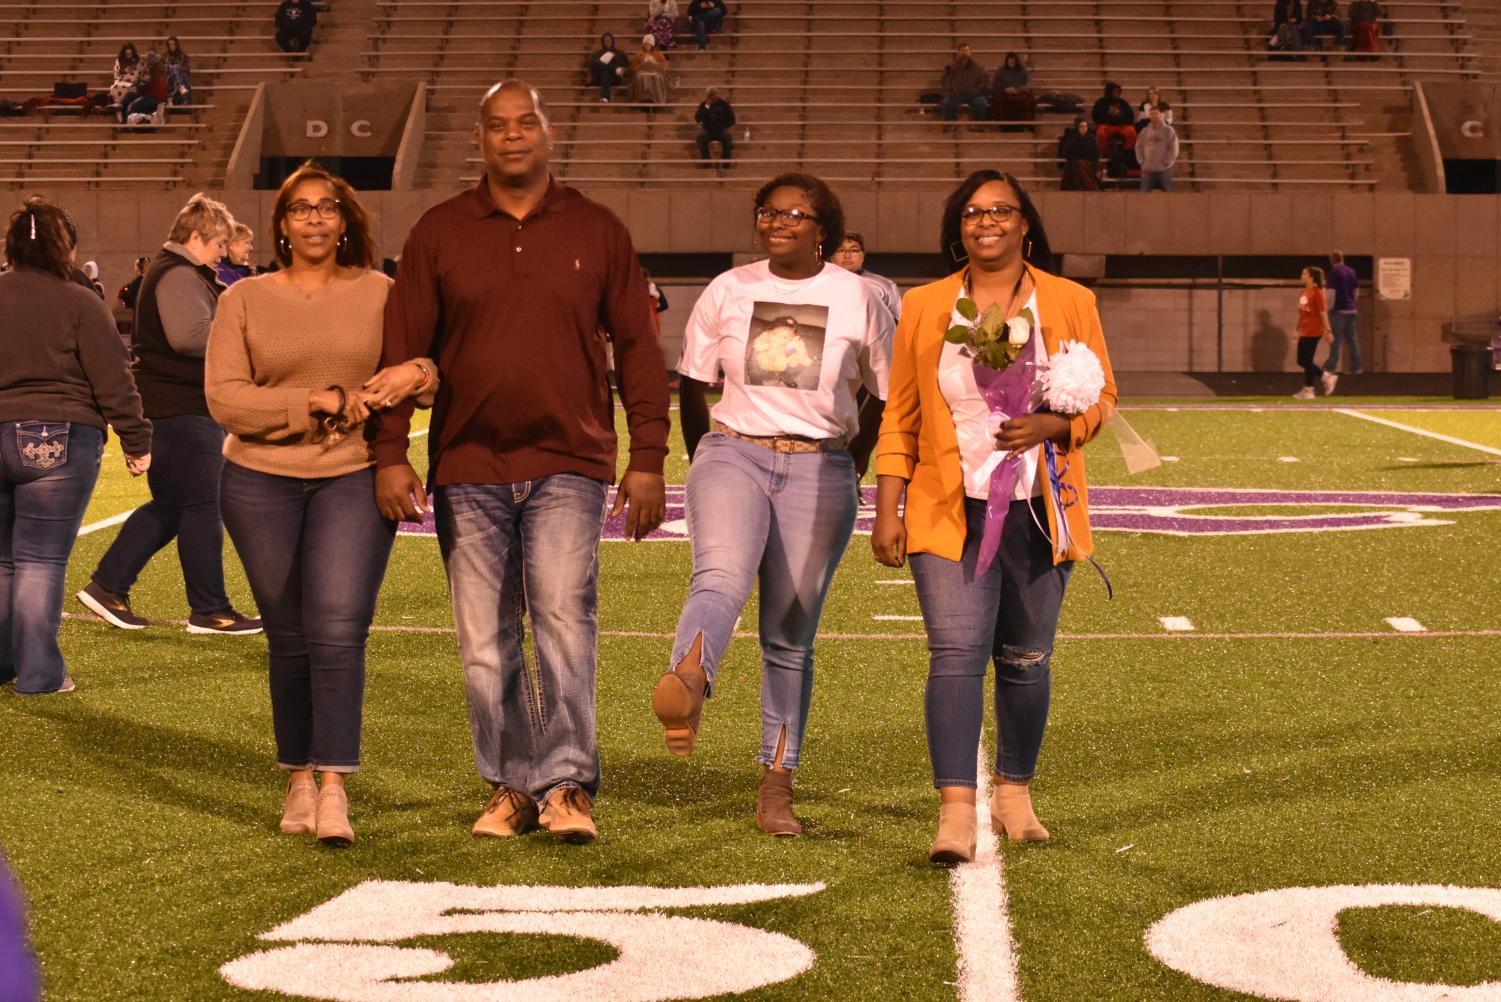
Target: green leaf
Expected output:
[957,334]
[1026,314]
[967,308]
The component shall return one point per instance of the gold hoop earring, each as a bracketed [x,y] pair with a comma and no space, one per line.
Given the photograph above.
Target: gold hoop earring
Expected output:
[958,253]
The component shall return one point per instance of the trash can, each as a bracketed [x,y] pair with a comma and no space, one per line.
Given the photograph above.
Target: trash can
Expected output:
[1472,371]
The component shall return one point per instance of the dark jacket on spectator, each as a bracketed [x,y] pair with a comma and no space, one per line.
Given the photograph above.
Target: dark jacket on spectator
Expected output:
[130,291]
[1287,10]
[965,76]
[1112,109]
[168,368]
[697,7]
[296,18]
[1365,12]
[716,118]
[1014,77]
[1322,8]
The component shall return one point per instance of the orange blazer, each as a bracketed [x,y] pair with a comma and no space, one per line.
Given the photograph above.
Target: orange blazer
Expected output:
[918,442]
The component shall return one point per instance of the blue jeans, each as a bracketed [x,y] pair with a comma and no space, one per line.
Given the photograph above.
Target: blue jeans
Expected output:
[315,553]
[1156,180]
[782,519]
[49,469]
[187,453]
[1342,325]
[978,102]
[1009,615]
[511,549]
[709,20]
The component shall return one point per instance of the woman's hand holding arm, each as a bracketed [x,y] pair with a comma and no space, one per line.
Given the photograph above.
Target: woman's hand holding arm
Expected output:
[888,540]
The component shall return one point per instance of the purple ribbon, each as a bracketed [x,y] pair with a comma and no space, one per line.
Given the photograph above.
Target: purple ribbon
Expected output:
[1008,394]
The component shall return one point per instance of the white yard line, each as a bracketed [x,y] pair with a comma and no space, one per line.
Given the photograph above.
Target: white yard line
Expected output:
[897,619]
[1419,431]
[1176,624]
[982,927]
[105,523]
[1405,624]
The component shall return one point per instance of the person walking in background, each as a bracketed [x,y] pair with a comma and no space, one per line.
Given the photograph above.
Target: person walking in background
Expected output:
[1313,325]
[774,489]
[1157,151]
[937,451]
[285,375]
[707,17]
[1342,319]
[174,313]
[90,271]
[64,376]
[851,257]
[510,284]
[129,291]
[964,82]
[235,264]
[716,118]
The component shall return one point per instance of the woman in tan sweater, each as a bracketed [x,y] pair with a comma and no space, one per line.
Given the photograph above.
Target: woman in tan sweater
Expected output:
[286,372]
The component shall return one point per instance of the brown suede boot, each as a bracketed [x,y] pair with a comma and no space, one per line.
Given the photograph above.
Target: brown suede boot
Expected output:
[1011,811]
[333,816]
[678,702]
[955,842]
[774,803]
[299,813]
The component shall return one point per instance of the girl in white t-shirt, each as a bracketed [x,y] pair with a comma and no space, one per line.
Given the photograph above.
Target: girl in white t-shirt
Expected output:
[774,487]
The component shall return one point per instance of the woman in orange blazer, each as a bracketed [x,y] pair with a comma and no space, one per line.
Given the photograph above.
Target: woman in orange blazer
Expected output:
[937,449]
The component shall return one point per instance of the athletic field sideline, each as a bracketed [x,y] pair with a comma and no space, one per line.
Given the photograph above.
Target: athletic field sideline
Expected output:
[1273,769]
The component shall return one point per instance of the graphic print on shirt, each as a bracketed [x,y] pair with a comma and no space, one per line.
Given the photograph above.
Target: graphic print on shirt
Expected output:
[784,345]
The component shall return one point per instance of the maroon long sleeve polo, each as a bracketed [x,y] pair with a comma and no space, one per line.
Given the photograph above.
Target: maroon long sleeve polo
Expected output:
[512,311]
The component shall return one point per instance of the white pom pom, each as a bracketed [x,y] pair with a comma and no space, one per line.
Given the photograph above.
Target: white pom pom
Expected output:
[1073,380]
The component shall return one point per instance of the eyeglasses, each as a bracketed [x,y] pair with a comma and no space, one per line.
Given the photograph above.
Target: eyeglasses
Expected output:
[302,211]
[791,217]
[1000,213]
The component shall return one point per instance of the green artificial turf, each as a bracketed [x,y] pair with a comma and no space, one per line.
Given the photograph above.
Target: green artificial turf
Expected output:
[140,811]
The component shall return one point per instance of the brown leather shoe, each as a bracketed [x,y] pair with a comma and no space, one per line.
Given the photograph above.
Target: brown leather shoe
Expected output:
[774,803]
[955,842]
[568,814]
[333,816]
[300,811]
[1011,812]
[507,812]
[678,702]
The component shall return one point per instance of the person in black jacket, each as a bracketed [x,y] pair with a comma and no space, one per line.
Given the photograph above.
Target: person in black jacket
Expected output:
[174,311]
[607,67]
[295,20]
[1079,156]
[717,118]
[1113,119]
[707,17]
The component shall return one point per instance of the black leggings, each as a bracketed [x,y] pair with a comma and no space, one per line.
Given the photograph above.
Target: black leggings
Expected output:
[1307,346]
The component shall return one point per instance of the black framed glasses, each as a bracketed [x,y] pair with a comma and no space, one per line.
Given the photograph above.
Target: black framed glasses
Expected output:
[791,217]
[999,213]
[303,211]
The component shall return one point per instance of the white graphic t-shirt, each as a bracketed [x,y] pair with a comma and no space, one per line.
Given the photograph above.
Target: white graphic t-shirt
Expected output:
[978,455]
[793,353]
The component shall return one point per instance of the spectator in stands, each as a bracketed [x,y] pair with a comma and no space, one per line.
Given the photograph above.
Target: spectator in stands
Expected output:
[131,289]
[1313,326]
[1323,21]
[91,272]
[717,119]
[1113,119]
[1157,151]
[662,22]
[658,299]
[1013,99]
[1365,25]
[174,314]
[64,376]
[1079,157]
[150,94]
[1342,315]
[607,67]
[649,74]
[295,20]
[236,263]
[964,82]
[851,257]
[179,73]
[127,72]
[1287,12]
[1152,100]
[707,17]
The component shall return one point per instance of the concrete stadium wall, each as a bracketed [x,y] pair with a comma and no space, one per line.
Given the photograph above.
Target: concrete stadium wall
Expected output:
[1452,241]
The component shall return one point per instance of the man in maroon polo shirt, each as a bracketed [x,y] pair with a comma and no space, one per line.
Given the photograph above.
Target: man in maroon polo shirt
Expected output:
[507,286]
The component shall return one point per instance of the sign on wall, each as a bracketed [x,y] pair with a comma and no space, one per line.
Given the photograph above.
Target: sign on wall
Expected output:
[314,120]
[1394,277]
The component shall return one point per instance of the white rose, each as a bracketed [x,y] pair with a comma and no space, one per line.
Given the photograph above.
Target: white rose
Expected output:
[1018,330]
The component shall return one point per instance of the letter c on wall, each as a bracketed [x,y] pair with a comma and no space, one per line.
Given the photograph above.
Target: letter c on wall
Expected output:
[1472,129]
[360,128]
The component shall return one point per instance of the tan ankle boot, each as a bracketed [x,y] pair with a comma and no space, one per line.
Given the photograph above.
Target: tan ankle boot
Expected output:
[678,703]
[955,842]
[1011,811]
[774,803]
[333,816]
[299,811]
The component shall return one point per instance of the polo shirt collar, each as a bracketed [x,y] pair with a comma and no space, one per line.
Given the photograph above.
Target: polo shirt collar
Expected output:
[483,205]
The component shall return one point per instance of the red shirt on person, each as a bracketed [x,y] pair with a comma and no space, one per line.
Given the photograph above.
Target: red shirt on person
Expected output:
[1311,319]
[511,309]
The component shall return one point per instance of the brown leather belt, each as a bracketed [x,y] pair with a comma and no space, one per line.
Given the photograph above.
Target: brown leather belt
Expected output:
[785,443]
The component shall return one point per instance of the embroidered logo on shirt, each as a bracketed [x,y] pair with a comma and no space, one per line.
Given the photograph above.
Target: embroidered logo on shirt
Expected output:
[784,346]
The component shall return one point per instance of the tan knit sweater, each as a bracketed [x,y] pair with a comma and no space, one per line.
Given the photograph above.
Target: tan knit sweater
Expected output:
[271,345]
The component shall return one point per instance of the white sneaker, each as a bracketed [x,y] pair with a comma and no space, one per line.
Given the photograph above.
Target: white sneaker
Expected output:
[1306,393]
[1329,379]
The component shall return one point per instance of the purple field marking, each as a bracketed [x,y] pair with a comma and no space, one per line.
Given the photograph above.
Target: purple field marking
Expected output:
[1279,407]
[1174,511]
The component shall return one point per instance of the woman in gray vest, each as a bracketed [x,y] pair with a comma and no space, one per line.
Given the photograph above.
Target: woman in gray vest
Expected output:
[174,311]
[63,375]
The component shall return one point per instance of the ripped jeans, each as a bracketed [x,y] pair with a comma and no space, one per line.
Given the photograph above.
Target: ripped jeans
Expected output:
[1009,614]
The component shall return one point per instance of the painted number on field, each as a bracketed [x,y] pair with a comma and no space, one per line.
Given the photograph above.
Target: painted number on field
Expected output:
[343,947]
[1285,944]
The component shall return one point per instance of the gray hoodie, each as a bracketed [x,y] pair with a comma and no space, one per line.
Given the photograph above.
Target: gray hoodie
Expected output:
[1157,147]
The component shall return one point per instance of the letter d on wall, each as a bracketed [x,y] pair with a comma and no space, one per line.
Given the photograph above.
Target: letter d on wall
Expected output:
[316,128]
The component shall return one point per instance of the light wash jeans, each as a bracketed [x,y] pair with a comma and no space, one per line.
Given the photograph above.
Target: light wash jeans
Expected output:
[1342,326]
[511,549]
[785,520]
[1009,614]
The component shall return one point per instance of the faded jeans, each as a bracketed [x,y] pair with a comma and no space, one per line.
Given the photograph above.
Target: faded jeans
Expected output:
[1342,326]
[785,520]
[512,549]
[1009,614]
